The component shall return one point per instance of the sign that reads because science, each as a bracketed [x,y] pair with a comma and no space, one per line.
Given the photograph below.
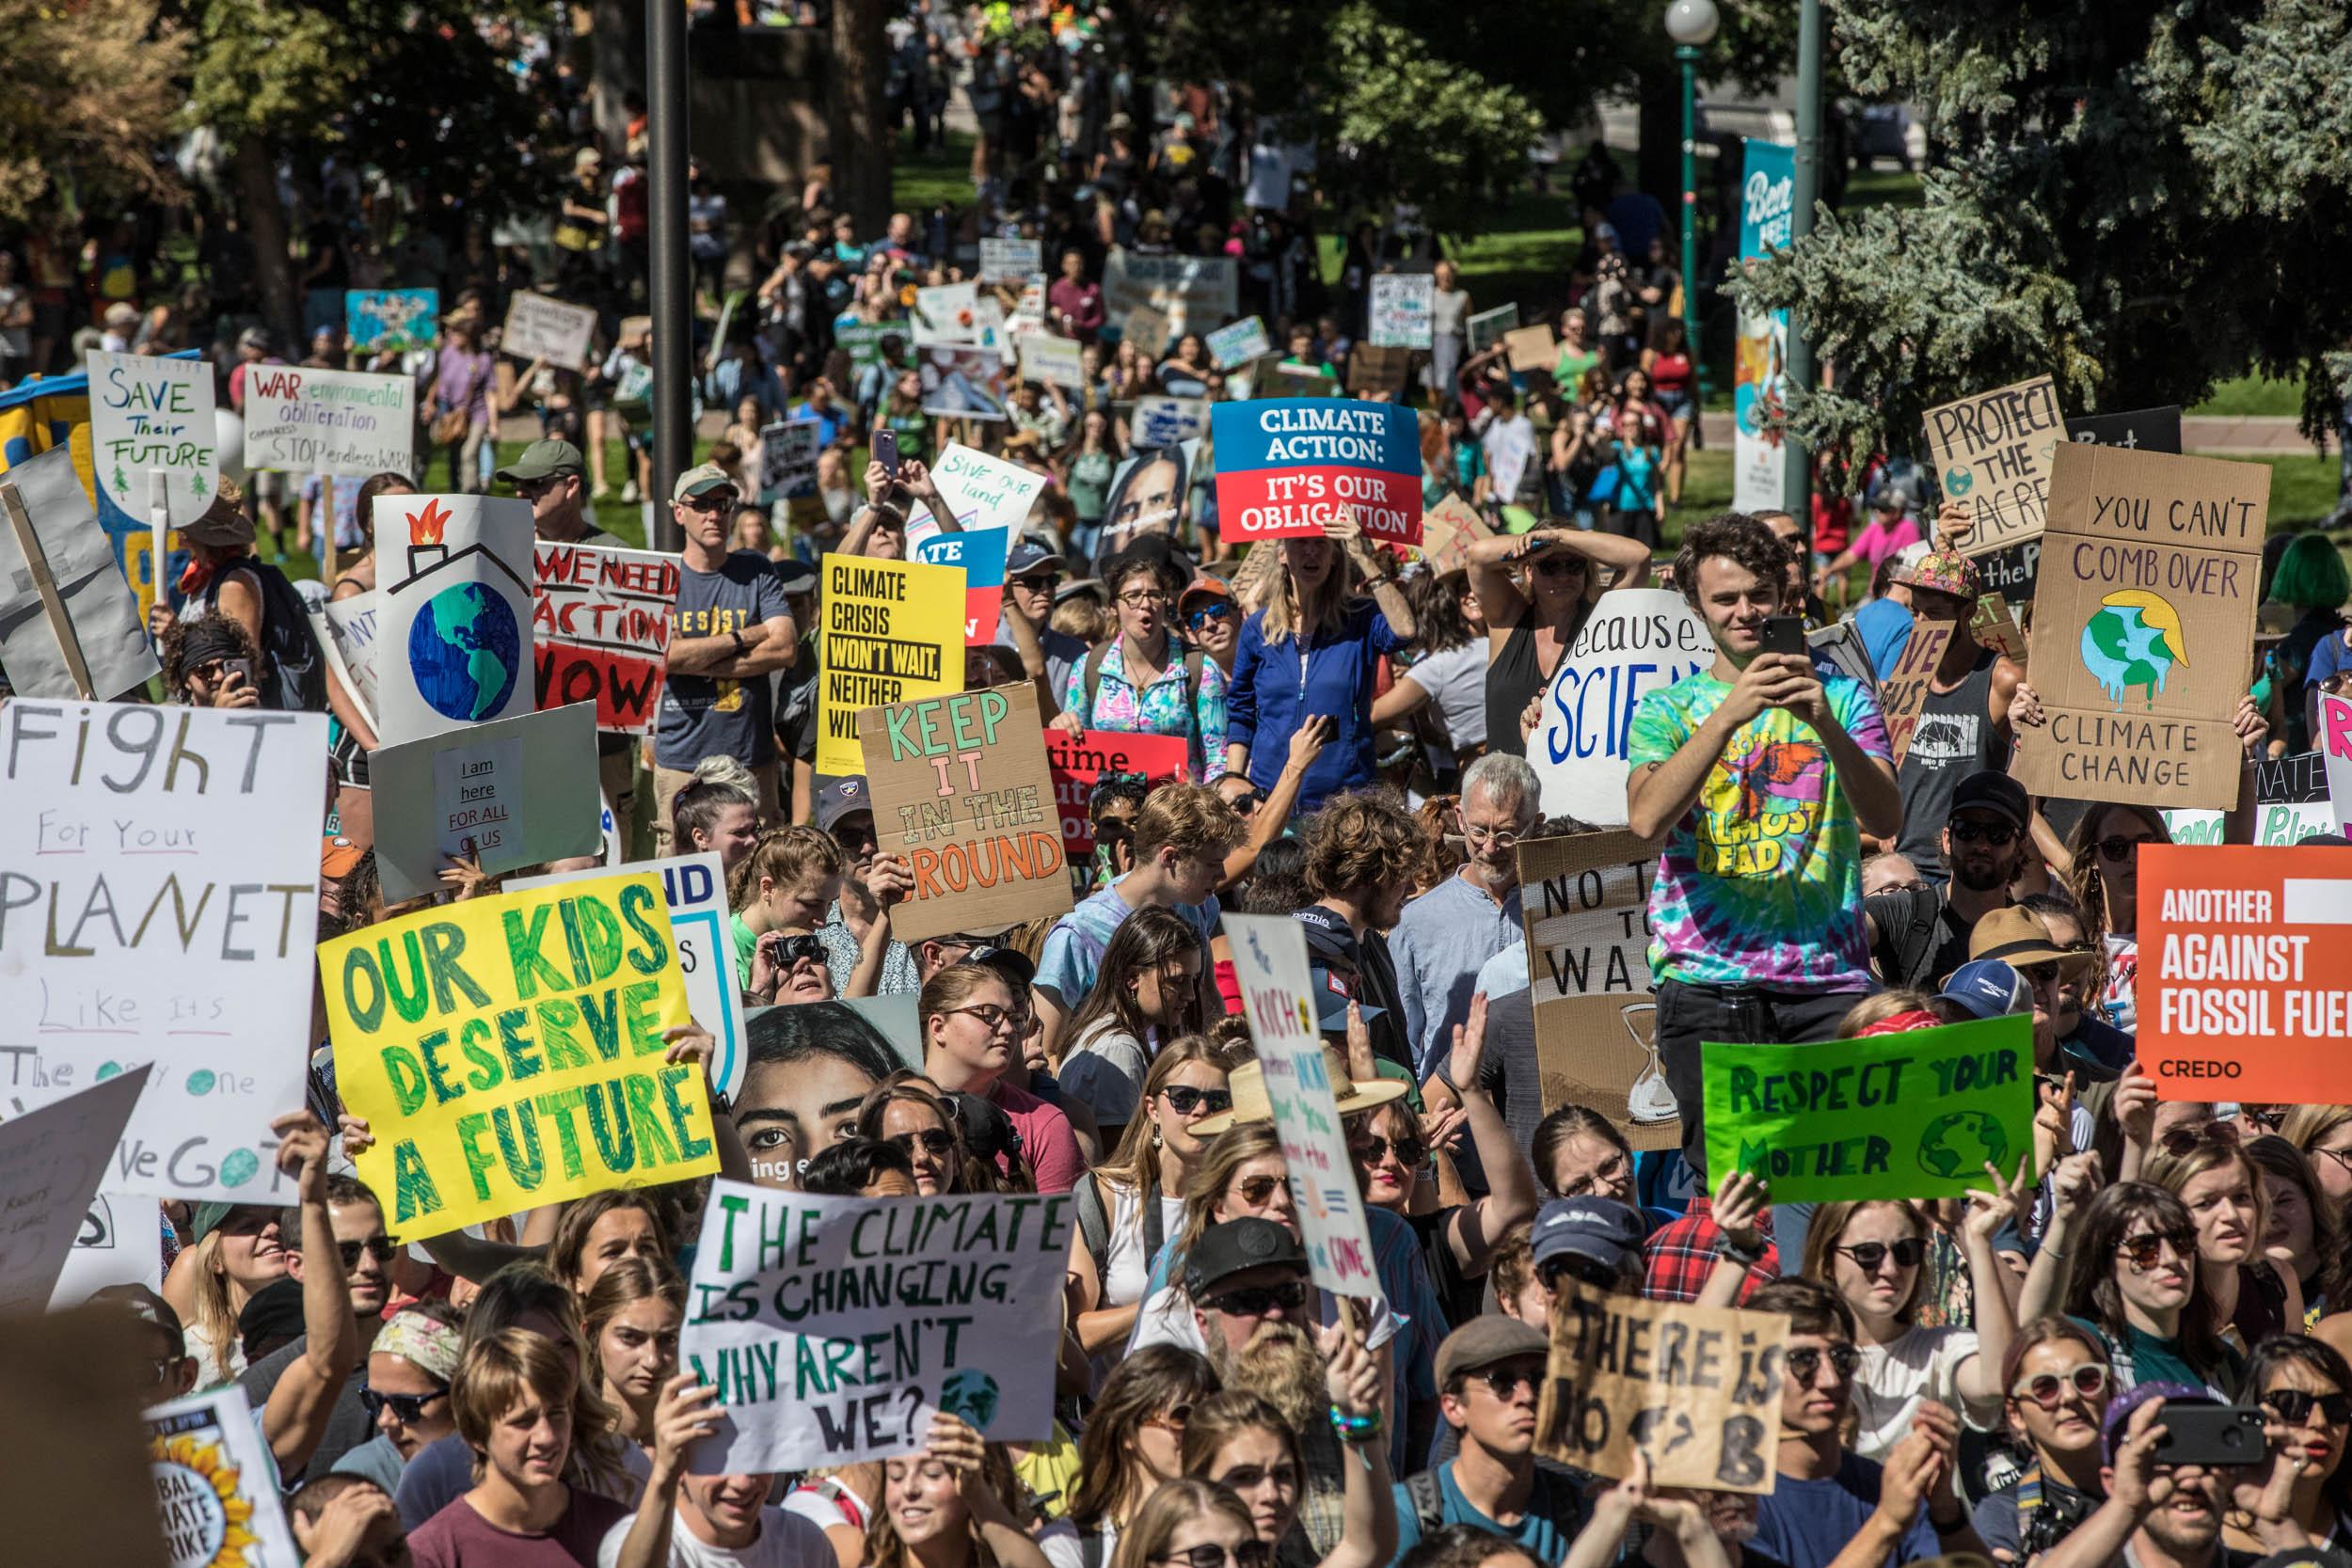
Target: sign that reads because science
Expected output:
[894,632]
[834,1328]
[1286,468]
[1636,640]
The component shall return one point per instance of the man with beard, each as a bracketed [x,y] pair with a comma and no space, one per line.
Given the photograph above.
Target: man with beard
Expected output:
[1490,1375]
[1919,935]
[287,1384]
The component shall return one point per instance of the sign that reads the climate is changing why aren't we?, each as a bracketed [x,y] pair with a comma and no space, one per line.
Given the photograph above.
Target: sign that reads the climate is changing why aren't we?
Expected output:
[1291,467]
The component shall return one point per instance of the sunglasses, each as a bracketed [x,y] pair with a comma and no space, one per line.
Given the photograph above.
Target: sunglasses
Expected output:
[2115,847]
[716,501]
[1256,1190]
[1559,566]
[1502,1382]
[2048,1390]
[2042,974]
[1805,1363]
[1174,1418]
[1249,1554]
[937,1142]
[1584,1271]
[407,1409]
[1995,833]
[2142,1252]
[1202,616]
[2178,1141]
[1249,799]
[1044,582]
[1373,1148]
[2295,1406]
[381,1248]
[1908,1253]
[1185,1100]
[1256,1301]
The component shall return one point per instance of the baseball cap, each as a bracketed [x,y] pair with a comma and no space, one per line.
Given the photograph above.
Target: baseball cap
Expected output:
[1907,558]
[701,479]
[547,459]
[337,857]
[1228,1248]
[1989,989]
[1010,962]
[795,576]
[254,337]
[1485,1340]
[2014,936]
[1946,572]
[120,314]
[1995,792]
[1027,558]
[1600,1228]
[988,1131]
[2121,1407]
[842,796]
[1202,588]
[1332,994]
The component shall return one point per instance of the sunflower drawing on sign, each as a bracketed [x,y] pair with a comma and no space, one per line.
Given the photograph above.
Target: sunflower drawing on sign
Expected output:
[206,1515]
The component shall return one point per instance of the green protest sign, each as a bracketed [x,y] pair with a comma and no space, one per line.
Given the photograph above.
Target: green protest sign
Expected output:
[1915,1115]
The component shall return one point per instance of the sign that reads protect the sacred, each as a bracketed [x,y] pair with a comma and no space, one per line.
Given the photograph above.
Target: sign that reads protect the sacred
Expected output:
[2143,626]
[1584,904]
[1992,454]
[1287,468]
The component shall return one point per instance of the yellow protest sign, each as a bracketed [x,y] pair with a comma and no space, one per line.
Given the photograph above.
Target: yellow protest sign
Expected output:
[894,632]
[507,1052]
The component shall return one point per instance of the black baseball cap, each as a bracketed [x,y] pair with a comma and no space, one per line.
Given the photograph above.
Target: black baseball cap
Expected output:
[1236,1245]
[1986,790]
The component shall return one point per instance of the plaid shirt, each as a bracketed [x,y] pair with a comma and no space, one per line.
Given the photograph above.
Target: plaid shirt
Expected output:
[1681,1253]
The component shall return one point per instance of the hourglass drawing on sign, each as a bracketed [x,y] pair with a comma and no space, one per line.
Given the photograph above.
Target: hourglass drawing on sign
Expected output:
[1651,1101]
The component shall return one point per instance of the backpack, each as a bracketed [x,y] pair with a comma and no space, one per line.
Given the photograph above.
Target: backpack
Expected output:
[1905,954]
[1428,1500]
[294,675]
[1094,1224]
[1094,676]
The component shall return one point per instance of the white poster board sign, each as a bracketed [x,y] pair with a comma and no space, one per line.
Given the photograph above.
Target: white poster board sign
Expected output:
[50,1161]
[1239,343]
[1635,641]
[1011,261]
[351,622]
[986,492]
[1165,421]
[453,576]
[101,615]
[309,422]
[510,793]
[151,416]
[121,1242]
[787,458]
[1050,359]
[1402,303]
[538,327]
[216,1489]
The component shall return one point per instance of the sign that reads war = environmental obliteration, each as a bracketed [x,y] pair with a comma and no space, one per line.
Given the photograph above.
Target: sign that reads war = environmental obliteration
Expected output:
[894,632]
[600,620]
[302,421]
[1992,454]
[2143,627]
[1288,467]
[508,1051]
[1915,1114]
[1584,907]
[1636,640]
[834,1328]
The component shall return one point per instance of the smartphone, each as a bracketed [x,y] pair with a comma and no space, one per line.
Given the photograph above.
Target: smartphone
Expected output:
[2212,1435]
[1784,634]
[886,450]
[241,668]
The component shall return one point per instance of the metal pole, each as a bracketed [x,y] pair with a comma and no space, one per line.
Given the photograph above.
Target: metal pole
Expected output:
[1797,470]
[673,299]
[1689,54]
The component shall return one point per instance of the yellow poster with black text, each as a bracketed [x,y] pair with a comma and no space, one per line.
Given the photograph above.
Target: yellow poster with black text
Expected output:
[508,1051]
[893,632]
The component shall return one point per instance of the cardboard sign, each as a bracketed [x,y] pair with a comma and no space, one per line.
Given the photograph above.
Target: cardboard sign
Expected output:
[152,416]
[1904,692]
[2141,430]
[1635,641]
[1239,343]
[1165,421]
[894,632]
[2011,571]
[1286,468]
[309,422]
[1915,1114]
[1584,906]
[1270,962]
[1695,1388]
[508,1051]
[2142,635]
[538,327]
[1993,625]
[2291,803]
[600,630]
[1402,307]
[215,1488]
[70,624]
[1992,451]
[1079,762]
[1055,361]
[454,587]
[1372,368]
[1759,395]
[1531,348]
[963,383]
[1447,532]
[834,1328]
[1840,643]
[787,459]
[979,554]
[1013,260]
[392,320]
[510,793]
[1172,294]
[1486,327]
[50,1161]
[962,791]
[159,873]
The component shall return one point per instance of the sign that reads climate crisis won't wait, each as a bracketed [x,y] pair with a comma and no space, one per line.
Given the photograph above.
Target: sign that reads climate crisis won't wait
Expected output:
[1289,468]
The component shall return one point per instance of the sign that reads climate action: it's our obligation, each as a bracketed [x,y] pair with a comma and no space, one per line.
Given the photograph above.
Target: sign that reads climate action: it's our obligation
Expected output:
[1287,468]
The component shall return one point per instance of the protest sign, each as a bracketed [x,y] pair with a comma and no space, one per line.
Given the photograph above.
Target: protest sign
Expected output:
[787,458]
[1760,351]
[511,792]
[1840,643]
[894,632]
[1079,762]
[350,632]
[1487,326]
[1695,1388]
[954,313]
[70,625]
[979,554]
[2141,429]
[1297,381]
[1447,532]
[1531,348]
[120,1243]
[1993,625]
[2141,636]
[50,1161]
[2291,803]
[1239,343]
[963,383]
[482,1040]
[961,792]
[1402,305]
[312,421]
[1011,259]
[1904,692]
[391,319]
[862,341]
[1585,908]
[1992,454]
[455,588]
[215,1488]
[834,1328]
[1286,468]
[1170,294]
[1270,964]
[1164,421]
[2334,734]
[538,327]
[986,492]
[2011,571]
[1052,361]
[1634,641]
[151,418]
[1915,1115]
[600,630]
[164,864]
[1379,370]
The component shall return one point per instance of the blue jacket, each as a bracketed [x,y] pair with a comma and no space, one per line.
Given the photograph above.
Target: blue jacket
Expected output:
[1272,694]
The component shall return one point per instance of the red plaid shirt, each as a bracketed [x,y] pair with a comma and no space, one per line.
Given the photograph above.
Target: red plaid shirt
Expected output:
[1681,1253]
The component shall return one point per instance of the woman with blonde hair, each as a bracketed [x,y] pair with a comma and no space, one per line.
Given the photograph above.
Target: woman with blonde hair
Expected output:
[1194,1523]
[1240,1442]
[630,1323]
[955,1505]
[242,1248]
[2324,1132]
[1133,1436]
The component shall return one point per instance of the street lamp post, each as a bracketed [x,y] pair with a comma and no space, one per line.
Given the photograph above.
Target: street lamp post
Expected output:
[1692,25]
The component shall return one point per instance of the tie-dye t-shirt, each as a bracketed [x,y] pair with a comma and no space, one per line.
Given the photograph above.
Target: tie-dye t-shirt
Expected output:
[1760,883]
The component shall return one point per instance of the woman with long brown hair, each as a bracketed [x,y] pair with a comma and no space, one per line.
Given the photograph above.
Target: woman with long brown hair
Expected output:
[630,1324]
[1133,1437]
[906,1110]
[1147,991]
[2221,1188]
[955,1505]
[1535,590]
[1240,1442]
[1189,1522]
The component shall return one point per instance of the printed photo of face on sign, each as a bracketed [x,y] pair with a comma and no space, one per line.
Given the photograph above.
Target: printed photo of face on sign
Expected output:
[1149,495]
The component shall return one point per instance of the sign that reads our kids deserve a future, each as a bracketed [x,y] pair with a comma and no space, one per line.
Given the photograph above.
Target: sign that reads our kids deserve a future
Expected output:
[1288,467]
[509,1051]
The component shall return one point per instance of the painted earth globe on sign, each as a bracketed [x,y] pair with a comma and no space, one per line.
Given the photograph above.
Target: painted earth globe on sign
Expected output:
[466,650]
[2133,638]
[1960,1144]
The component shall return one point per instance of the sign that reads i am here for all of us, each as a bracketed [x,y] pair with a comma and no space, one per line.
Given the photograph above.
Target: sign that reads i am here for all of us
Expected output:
[1287,468]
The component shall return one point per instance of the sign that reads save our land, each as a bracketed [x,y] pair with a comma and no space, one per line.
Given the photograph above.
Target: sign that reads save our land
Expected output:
[1915,1114]
[1636,640]
[1584,906]
[894,632]
[508,1051]
[1287,468]
[2143,625]
[455,588]
[1993,452]
[600,630]
[159,873]
[302,421]
[1695,1388]
[834,1328]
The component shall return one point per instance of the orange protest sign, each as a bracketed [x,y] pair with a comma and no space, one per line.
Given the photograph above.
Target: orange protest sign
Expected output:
[2245,956]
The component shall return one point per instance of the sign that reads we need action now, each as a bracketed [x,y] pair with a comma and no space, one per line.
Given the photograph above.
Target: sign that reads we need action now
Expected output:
[1286,468]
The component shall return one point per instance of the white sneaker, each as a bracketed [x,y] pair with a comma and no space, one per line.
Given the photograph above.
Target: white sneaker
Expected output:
[628,494]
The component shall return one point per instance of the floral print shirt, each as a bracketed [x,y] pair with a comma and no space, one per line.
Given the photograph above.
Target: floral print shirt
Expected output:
[1159,708]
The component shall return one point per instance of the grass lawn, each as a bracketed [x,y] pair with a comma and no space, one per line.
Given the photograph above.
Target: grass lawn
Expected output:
[921,181]
[2252,395]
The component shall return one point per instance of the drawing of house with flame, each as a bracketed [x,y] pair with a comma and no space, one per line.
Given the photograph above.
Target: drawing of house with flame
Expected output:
[461,612]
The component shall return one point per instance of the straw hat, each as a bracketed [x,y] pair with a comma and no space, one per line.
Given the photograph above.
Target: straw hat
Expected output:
[1248,1087]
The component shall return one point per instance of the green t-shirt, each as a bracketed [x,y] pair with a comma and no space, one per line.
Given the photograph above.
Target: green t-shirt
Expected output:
[744,941]
[1572,369]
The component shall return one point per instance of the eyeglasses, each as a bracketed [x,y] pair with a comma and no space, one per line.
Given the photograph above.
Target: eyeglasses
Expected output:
[2042,974]
[1142,598]
[1206,614]
[1256,1190]
[1185,1099]
[2343,1157]
[407,1409]
[1805,1363]
[2115,847]
[1478,832]
[937,1142]
[1907,1252]
[2048,1390]
[1995,833]
[381,1248]
[1502,1382]
[993,1017]
[1256,1301]
[2295,1406]
[1249,1554]
[2142,1252]
[1559,565]
[1373,1148]
[2178,1141]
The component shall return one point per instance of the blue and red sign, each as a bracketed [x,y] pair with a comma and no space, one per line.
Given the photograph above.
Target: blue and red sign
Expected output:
[1287,466]
[981,553]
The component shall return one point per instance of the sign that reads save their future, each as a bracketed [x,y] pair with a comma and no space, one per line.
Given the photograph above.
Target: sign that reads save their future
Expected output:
[894,632]
[1993,452]
[151,418]
[508,1051]
[835,1327]
[1287,467]
[302,421]
[1695,1388]
[2143,625]
[1915,1114]
[1584,905]
[1636,640]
